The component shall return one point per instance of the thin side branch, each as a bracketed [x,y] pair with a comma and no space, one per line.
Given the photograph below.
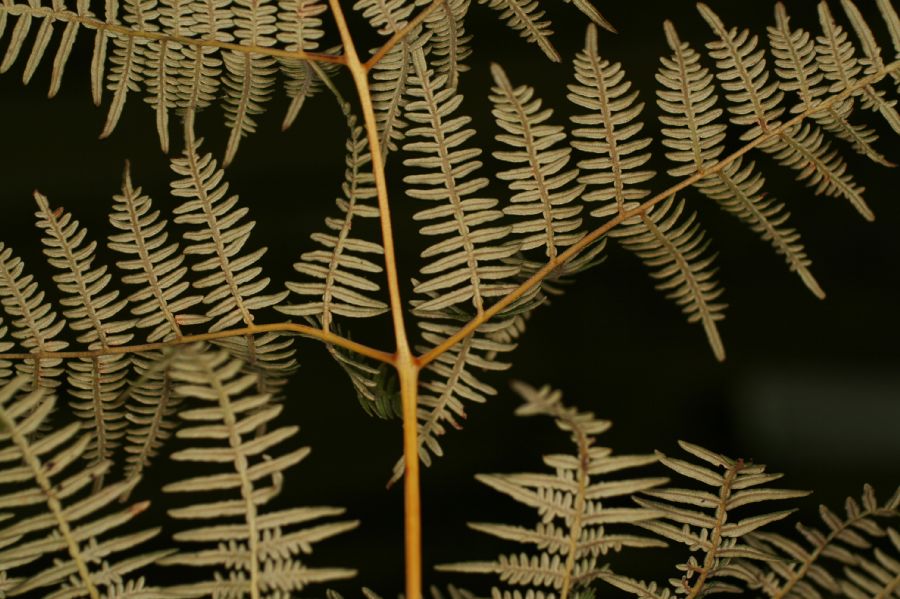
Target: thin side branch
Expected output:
[594,235]
[400,35]
[280,327]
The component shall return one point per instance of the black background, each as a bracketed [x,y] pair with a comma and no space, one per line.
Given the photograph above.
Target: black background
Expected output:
[810,387]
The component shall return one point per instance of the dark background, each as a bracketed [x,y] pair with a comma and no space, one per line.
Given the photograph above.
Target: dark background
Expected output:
[810,387]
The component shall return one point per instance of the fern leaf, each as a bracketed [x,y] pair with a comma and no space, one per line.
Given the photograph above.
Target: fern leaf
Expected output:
[18,35]
[449,43]
[467,270]
[163,64]
[69,527]
[854,555]
[755,101]
[233,285]
[575,512]
[386,16]
[705,519]
[337,273]
[6,369]
[156,266]
[35,324]
[836,56]
[526,17]
[889,14]
[249,78]
[200,67]
[797,68]
[545,190]
[299,28]
[257,550]
[128,59]
[97,381]
[696,141]
[673,249]
[587,7]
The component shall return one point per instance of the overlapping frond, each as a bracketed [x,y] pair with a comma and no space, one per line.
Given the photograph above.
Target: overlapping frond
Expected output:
[92,309]
[695,139]
[34,322]
[250,549]
[836,57]
[798,70]
[528,18]
[672,246]
[337,277]
[755,100]
[576,508]
[706,520]
[52,515]
[448,45]
[230,276]
[857,555]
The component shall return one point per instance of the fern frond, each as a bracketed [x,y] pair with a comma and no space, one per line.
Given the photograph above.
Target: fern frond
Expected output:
[385,16]
[338,273]
[249,78]
[544,202]
[97,381]
[755,101]
[575,510]
[856,545]
[468,269]
[675,250]
[35,323]
[199,77]
[528,18]
[71,527]
[163,64]
[390,81]
[299,28]
[156,266]
[587,7]
[798,71]
[448,46]
[836,57]
[233,286]
[889,14]
[696,141]
[128,59]
[256,552]
[705,520]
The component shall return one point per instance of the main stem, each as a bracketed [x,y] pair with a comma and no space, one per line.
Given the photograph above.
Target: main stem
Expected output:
[406,364]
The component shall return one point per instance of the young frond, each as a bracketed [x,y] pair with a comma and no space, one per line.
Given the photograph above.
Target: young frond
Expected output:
[56,518]
[706,521]
[255,550]
[338,276]
[548,215]
[448,45]
[696,141]
[34,322]
[466,266]
[530,20]
[755,101]
[855,556]
[575,510]
[91,308]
